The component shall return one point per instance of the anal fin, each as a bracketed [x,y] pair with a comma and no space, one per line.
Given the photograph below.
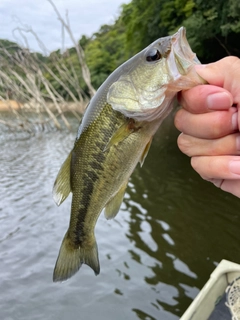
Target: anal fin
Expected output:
[115,202]
[145,152]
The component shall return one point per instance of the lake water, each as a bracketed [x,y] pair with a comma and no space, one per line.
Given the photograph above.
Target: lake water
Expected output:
[171,232]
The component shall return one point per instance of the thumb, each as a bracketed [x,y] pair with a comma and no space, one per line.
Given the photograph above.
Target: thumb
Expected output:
[224,73]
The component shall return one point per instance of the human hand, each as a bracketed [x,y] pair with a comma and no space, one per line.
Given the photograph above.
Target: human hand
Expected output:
[210,122]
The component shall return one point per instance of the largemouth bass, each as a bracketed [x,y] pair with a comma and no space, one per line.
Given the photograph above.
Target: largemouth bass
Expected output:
[115,134]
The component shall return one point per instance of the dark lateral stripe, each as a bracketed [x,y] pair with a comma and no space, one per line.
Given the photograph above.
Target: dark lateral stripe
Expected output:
[89,179]
[96,165]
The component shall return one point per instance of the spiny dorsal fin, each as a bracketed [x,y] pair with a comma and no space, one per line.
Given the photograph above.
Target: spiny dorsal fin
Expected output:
[145,152]
[62,186]
[114,203]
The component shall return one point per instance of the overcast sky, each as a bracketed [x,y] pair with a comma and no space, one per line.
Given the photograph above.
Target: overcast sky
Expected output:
[85,16]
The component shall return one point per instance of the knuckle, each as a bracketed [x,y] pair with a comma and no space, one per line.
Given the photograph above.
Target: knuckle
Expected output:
[232,60]
[185,144]
[195,164]
[221,125]
[178,119]
[193,105]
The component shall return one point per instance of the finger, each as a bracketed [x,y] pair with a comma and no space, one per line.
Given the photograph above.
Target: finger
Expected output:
[205,98]
[201,125]
[217,167]
[191,146]
[217,182]
[232,186]
[223,73]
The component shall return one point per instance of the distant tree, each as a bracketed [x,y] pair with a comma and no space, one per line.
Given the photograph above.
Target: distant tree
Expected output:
[142,22]
[213,27]
[105,52]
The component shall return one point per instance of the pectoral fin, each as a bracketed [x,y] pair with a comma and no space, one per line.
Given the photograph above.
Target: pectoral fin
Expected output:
[122,133]
[62,186]
[145,152]
[115,202]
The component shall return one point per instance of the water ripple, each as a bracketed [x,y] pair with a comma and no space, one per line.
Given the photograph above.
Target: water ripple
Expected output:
[170,233]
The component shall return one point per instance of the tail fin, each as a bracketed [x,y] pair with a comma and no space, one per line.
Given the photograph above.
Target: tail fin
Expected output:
[70,259]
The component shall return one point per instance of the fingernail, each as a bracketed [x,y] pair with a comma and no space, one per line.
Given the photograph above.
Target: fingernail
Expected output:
[235,121]
[234,166]
[219,100]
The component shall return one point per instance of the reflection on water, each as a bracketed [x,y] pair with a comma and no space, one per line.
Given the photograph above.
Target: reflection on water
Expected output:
[172,230]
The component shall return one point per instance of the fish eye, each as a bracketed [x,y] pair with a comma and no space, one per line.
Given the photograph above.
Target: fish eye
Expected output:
[153,55]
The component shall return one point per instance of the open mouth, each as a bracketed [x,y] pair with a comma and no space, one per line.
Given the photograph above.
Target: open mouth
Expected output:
[181,61]
[183,54]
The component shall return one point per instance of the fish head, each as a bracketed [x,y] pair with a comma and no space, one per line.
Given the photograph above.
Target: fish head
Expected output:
[146,85]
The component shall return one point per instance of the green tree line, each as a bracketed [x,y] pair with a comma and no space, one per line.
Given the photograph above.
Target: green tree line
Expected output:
[213,31]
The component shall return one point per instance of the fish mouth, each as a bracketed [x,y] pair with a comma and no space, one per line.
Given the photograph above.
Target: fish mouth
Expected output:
[181,57]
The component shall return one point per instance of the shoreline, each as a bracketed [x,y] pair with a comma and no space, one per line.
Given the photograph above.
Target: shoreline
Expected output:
[10,105]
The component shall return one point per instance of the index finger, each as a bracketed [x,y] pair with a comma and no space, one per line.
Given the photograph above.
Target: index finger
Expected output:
[205,98]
